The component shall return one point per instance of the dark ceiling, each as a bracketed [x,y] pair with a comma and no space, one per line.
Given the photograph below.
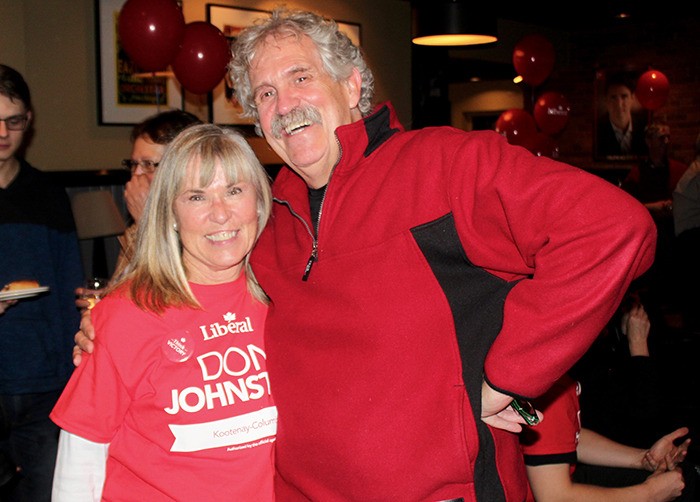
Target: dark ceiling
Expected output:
[584,15]
[467,63]
[593,15]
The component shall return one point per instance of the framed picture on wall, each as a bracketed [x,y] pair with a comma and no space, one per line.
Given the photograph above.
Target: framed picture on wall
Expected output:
[125,96]
[223,107]
[619,119]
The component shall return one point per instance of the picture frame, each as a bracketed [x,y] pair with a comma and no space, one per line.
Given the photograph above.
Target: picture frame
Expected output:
[223,108]
[125,96]
[615,102]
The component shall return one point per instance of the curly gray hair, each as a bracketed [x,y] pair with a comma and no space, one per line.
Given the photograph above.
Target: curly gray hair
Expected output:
[338,54]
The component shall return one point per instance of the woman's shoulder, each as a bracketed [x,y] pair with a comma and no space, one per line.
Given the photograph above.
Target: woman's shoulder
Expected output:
[117,311]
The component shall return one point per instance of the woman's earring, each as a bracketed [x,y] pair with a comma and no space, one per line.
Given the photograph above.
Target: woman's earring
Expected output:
[175,226]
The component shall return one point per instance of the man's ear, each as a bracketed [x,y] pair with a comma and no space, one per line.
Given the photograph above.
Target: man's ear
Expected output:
[354,87]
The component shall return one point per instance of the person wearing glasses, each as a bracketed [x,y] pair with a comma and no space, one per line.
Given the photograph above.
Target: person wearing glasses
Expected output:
[39,242]
[149,139]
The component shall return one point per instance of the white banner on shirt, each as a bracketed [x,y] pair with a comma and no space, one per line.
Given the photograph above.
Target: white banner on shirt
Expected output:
[227,432]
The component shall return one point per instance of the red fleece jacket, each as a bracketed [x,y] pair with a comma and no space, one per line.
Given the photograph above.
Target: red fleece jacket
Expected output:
[443,257]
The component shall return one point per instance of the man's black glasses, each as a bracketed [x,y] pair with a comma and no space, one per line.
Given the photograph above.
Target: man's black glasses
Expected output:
[148,166]
[15,122]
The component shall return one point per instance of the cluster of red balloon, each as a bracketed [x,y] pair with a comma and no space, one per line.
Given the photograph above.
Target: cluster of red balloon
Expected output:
[533,59]
[154,35]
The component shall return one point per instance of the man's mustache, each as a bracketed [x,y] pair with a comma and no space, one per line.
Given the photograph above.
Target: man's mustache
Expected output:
[298,117]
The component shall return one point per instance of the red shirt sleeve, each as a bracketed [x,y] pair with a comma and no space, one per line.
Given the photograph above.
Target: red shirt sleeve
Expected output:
[554,440]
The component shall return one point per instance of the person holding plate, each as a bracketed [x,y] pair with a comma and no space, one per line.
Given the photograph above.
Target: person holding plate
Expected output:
[39,243]
[5,304]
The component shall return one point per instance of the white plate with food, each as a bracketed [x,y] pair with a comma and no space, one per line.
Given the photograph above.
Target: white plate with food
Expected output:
[16,290]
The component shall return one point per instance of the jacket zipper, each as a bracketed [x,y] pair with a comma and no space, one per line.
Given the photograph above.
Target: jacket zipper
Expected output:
[314,234]
[313,258]
[314,250]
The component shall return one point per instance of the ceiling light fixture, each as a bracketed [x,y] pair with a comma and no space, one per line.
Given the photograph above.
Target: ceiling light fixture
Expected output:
[452,23]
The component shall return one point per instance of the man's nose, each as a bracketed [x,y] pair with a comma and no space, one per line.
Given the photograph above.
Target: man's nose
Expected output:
[287,100]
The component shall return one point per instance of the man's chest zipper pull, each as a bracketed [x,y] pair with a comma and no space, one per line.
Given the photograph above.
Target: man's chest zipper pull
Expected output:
[313,258]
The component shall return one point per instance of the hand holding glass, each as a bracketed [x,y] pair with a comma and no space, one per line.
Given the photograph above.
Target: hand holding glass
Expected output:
[93,289]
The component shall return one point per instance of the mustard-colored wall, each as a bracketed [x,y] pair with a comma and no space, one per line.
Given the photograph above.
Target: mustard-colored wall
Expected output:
[53,44]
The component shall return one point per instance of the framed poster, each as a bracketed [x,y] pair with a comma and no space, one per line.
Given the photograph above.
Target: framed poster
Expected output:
[124,96]
[619,120]
[223,107]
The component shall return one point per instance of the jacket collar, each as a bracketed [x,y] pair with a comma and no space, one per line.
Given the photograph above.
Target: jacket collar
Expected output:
[357,141]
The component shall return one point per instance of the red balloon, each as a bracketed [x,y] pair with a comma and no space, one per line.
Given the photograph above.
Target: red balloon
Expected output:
[150,31]
[542,145]
[204,55]
[551,112]
[652,89]
[516,125]
[533,58]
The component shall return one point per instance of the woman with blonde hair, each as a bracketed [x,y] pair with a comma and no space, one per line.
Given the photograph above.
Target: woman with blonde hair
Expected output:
[175,403]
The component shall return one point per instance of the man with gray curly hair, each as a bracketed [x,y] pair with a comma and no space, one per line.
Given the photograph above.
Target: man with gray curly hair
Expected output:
[420,281]
[423,284]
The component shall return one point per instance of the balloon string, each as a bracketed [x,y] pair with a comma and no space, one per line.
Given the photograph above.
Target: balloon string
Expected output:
[158,93]
[528,98]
